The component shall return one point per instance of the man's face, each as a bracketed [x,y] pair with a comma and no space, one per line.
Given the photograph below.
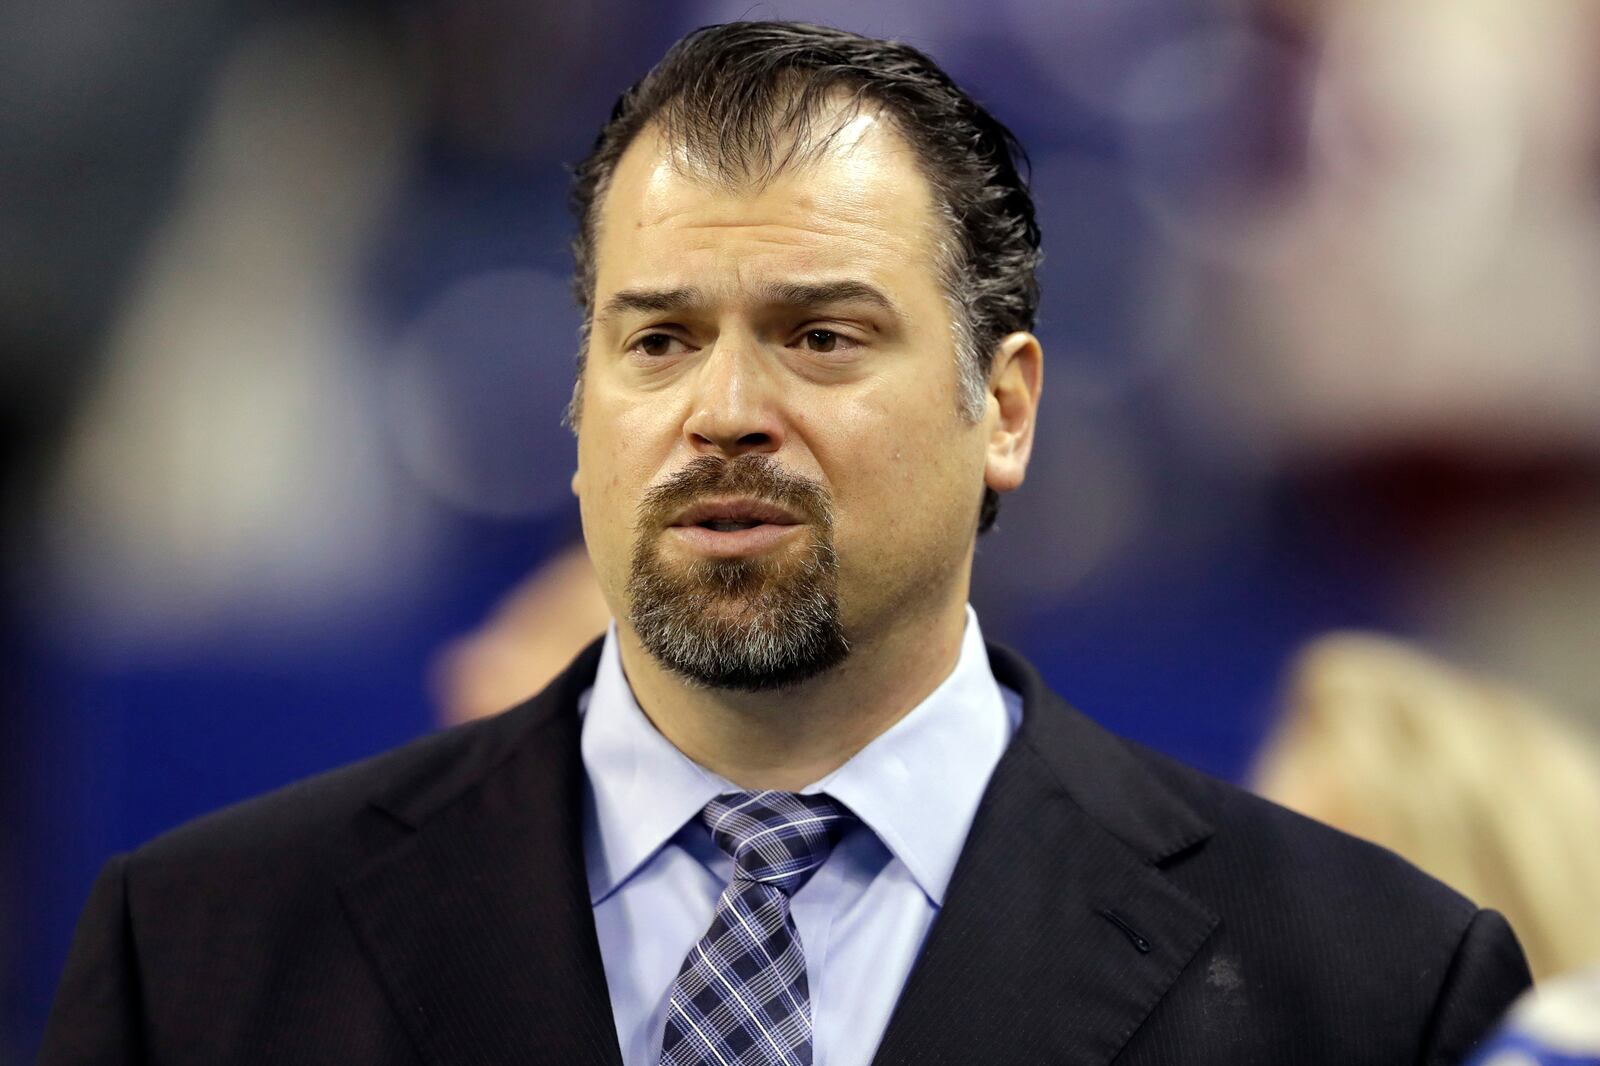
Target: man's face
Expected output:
[769,427]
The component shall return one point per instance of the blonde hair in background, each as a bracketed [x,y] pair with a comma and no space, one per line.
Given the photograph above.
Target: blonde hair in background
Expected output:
[1481,786]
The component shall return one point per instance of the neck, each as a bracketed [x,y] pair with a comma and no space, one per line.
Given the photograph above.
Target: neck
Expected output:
[786,739]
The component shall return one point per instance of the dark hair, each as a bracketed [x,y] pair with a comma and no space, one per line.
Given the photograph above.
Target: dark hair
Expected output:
[742,97]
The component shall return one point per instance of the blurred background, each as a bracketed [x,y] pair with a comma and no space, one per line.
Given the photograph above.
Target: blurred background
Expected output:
[285,335]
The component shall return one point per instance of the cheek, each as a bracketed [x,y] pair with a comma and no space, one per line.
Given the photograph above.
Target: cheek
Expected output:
[614,470]
[907,476]
[621,441]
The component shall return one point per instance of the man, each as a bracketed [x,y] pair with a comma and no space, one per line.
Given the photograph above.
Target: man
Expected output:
[790,810]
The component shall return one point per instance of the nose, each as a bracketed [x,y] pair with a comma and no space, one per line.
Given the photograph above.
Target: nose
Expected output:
[735,408]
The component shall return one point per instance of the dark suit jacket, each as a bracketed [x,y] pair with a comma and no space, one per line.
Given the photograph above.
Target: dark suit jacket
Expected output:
[430,906]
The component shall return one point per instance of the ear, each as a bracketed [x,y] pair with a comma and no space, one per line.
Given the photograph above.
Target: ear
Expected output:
[577,482]
[1015,381]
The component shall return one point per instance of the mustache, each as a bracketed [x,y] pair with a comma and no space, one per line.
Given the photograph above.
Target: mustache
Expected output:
[758,476]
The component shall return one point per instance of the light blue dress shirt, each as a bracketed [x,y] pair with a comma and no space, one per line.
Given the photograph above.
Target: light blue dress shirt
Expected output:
[655,874]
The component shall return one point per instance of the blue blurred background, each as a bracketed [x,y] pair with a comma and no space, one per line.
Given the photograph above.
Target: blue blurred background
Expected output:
[286,333]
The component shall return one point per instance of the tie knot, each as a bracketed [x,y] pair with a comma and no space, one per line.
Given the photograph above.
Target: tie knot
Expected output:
[777,838]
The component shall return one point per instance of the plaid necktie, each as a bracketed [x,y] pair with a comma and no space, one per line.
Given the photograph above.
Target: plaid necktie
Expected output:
[741,997]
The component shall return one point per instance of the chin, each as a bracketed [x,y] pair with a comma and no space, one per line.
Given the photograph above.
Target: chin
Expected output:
[737,626]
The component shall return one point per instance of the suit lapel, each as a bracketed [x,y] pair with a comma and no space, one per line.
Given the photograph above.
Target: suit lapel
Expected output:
[476,912]
[1059,932]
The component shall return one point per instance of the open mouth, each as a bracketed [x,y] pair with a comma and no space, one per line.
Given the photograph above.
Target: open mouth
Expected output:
[734,527]
[728,525]
[731,516]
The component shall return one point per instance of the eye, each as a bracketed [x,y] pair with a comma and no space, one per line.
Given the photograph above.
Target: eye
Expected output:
[823,341]
[656,345]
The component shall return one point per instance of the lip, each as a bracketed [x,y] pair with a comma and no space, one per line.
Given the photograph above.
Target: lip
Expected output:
[773,525]
[733,543]
[734,509]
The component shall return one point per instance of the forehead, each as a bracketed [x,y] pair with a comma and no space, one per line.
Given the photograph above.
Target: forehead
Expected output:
[858,203]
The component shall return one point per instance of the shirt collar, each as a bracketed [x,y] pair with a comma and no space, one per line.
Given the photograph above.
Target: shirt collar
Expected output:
[643,789]
[917,785]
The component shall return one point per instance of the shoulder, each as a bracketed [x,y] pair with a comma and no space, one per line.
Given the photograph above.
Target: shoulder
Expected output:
[1200,828]
[1264,859]
[1310,913]
[301,812]
[1303,913]
[1401,966]
[331,822]
[1275,880]
[1287,857]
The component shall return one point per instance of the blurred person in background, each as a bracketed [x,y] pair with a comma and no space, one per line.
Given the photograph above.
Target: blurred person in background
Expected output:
[1556,1024]
[528,639]
[1480,785]
[790,803]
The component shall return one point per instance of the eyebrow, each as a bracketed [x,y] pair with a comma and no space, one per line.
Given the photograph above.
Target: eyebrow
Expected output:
[803,294]
[782,293]
[649,301]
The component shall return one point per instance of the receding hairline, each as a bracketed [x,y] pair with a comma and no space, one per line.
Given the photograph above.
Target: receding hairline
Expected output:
[800,125]
[803,118]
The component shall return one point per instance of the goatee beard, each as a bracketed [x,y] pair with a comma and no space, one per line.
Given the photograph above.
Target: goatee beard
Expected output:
[748,624]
